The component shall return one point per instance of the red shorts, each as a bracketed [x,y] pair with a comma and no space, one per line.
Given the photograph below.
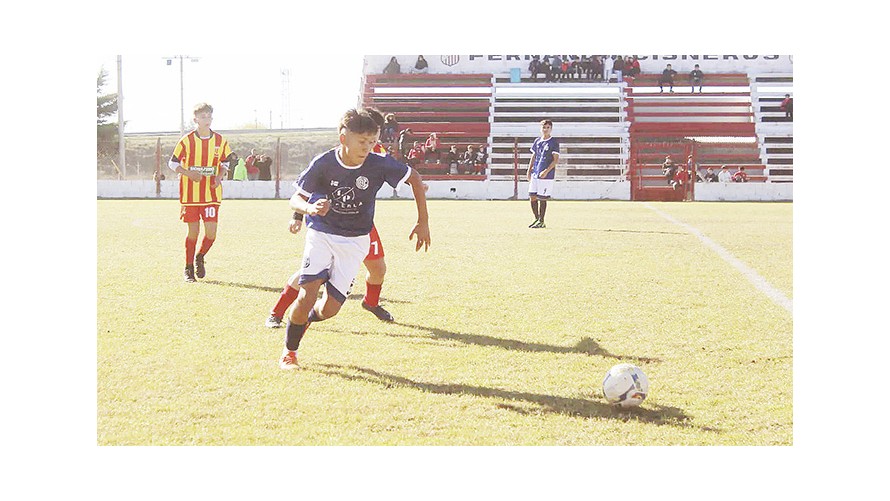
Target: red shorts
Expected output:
[375,250]
[194,213]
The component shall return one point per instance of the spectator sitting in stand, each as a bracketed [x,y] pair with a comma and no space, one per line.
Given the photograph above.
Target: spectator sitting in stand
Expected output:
[534,68]
[681,178]
[421,66]
[483,154]
[555,74]
[618,68]
[788,107]
[710,176]
[632,67]
[481,159]
[696,77]
[393,68]
[467,163]
[596,66]
[432,148]
[667,78]
[740,176]
[453,158]
[724,176]
[416,155]
[566,69]
[390,129]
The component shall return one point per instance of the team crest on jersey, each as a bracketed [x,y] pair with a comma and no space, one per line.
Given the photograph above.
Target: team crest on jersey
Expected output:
[362,183]
[344,201]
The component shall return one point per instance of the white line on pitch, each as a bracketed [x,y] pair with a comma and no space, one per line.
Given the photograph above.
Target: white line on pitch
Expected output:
[758,281]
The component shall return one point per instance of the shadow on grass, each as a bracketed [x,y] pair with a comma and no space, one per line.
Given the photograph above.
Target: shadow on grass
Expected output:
[607,230]
[278,290]
[587,345]
[577,407]
[242,286]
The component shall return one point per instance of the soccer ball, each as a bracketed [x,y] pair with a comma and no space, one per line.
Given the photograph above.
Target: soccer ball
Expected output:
[625,385]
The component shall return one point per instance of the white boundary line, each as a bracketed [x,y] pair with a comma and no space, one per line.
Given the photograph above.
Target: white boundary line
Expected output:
[758,281]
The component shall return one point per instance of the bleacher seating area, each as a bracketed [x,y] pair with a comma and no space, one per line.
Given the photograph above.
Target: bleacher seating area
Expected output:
[613,131]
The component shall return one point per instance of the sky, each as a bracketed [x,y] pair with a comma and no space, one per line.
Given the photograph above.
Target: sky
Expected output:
[244,90]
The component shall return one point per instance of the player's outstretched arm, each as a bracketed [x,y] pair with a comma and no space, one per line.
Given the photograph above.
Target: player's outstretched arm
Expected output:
[422,228]
[301,204]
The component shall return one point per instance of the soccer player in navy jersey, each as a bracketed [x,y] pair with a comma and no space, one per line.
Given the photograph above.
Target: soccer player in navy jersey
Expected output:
[542,171]
[337,193]
[374,262]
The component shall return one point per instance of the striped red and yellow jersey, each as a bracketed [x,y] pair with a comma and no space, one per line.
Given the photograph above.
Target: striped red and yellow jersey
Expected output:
[204,156]
[379,149]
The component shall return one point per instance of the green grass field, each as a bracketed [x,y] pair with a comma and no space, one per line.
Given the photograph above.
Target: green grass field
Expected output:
[502,336]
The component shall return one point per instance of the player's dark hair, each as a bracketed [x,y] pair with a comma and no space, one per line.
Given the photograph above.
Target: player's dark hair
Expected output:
[547,122]
[376,115]
[359,122]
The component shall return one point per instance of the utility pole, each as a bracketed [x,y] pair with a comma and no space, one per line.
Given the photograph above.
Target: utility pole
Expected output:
[181,88]
[120,119]
[285,97]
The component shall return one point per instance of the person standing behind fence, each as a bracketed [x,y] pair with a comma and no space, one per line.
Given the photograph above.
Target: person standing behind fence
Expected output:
[542,171]
[264,167]
[240,171]
[696,77]
[252,171]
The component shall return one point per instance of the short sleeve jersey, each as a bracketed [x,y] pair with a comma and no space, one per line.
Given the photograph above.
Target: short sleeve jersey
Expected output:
[543,150]
[203,155]
[352,191]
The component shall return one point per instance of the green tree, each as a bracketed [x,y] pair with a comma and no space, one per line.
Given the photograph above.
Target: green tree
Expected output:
[106,107]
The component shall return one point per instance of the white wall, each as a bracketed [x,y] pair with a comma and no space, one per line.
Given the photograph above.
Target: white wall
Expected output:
[743,192]
[464,190]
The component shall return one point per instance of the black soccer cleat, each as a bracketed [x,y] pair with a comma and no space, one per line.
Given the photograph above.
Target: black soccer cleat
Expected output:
[199,266]
[273,322]
[379,312]
[189,273]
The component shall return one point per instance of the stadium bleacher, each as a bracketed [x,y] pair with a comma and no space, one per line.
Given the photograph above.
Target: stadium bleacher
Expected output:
[455,106]
[607,131]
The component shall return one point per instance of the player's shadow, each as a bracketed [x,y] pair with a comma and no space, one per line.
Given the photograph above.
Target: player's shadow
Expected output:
[647,232]
[353,297]
[242,286]
[519,401]
[586,345]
